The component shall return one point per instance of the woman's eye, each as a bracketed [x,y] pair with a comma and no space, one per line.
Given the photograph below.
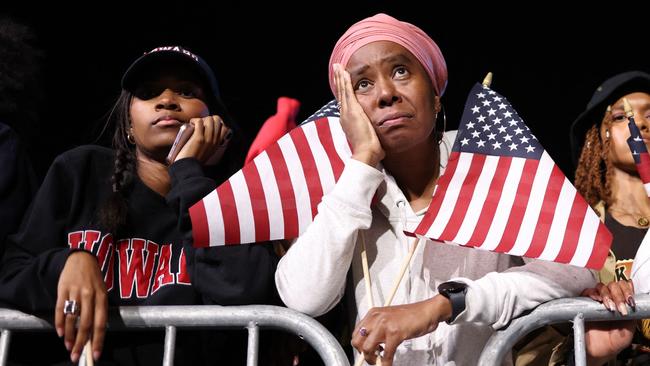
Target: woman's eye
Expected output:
[146,93]
[401,71]
[187,93]
[619,118]
[362,85]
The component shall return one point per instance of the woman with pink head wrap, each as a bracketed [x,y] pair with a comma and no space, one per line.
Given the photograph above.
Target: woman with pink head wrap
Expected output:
[382,27]
[388,77]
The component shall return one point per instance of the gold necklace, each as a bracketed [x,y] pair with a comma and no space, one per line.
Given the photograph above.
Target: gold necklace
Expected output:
[641,220]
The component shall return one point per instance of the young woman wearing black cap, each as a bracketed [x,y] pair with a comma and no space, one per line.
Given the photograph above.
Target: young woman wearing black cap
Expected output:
[104,229]
[607,177]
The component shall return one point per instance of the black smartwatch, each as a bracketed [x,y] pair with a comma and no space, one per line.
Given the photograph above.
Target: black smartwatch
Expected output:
[455,292]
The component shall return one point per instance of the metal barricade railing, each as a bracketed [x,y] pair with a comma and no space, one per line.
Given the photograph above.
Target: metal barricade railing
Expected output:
[578,310]
[251,317]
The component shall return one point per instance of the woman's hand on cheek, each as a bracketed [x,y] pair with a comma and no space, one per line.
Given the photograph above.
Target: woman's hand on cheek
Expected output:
[355,123]
[208,142]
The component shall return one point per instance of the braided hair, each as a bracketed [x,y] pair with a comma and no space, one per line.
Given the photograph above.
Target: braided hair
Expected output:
[594,174]
[113,214]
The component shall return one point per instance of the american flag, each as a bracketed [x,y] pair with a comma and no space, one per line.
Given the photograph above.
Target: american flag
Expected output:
[275,196]
[502,192]
[639,153]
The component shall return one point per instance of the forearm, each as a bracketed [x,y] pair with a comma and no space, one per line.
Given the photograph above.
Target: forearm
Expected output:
[311,276]
[188,184]
[29,283]
[497,298]
[235,275]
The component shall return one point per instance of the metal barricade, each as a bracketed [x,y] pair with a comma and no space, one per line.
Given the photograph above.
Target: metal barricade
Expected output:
[251,317]
[578,310]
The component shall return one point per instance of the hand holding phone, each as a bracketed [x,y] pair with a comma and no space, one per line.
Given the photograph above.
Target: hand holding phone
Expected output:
[185,133]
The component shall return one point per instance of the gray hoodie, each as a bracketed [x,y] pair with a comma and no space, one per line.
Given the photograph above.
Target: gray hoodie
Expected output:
[313,275]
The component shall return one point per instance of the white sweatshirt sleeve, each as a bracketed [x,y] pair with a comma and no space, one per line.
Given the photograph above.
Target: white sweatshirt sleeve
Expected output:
[496,298]
[311,276]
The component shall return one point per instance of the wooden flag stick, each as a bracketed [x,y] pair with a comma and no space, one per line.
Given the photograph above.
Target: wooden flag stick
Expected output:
[488,80]
[366,280]
[405,265]
[398,280]
[628,108]
[87,355]
[366,271]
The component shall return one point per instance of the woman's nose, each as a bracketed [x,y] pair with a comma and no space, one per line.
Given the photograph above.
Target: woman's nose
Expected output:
[388,93]
[167,100]
[641,121]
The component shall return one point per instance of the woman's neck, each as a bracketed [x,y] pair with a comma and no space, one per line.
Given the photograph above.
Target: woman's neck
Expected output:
[154,174]
[416,173]
[629,201]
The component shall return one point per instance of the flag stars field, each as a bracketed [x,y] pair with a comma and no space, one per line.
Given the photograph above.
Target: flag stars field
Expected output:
[508,195]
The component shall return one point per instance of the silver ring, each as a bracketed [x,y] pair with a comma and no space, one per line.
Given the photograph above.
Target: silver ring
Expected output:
[363,331]
[71,307]
[338,106]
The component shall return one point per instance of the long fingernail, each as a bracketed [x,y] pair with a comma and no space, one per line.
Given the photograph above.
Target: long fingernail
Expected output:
[631,302]
[68,345]
[96,355]
[59,332]
[74,357]
[622,308]
[610,305]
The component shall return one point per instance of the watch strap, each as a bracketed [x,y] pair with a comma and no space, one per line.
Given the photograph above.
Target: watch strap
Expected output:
[457,300]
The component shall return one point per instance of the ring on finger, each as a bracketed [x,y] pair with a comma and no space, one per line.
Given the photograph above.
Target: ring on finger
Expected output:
[363,331]
[71,307]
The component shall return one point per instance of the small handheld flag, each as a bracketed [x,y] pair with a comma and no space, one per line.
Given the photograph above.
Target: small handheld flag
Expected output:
[502,192]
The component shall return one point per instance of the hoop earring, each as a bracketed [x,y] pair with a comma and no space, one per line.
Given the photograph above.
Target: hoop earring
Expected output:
[130,138]
[440,134]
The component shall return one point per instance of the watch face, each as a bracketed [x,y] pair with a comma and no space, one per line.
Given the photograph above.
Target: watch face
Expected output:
[451,287]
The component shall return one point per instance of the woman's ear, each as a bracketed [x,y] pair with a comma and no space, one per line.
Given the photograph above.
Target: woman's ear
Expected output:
[436,104]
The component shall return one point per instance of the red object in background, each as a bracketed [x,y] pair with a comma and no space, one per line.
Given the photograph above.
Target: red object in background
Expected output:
[283,121]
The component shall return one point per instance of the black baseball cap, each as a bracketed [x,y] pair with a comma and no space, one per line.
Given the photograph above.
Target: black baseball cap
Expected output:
[607,93]
[132,76]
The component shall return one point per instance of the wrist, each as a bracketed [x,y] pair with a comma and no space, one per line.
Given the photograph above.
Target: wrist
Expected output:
[441,310]
[367,157]
[455,293]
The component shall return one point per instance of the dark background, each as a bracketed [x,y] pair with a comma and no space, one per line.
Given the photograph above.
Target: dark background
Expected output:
[547,60]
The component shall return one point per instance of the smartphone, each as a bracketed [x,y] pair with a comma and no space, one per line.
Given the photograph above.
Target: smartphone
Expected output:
[184,134]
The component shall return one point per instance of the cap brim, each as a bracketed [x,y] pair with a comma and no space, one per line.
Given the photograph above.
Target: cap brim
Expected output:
[636,82]
[135,72]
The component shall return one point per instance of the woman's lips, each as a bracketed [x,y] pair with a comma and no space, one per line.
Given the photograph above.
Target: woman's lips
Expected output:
[167,122]
[393,121]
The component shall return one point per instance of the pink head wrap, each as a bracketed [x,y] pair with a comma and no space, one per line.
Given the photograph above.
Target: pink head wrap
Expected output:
[382,27]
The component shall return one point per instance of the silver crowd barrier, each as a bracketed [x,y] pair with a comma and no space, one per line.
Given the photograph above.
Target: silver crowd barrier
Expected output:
[576,310]
[251,317]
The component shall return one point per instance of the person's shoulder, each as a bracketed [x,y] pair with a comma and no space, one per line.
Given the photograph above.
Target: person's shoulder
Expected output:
[450,136]
[447,144]
[7,134]
[87,154]
[5,129]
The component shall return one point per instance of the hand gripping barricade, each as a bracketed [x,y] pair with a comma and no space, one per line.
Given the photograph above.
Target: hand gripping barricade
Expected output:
[252,317]
[577,310]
